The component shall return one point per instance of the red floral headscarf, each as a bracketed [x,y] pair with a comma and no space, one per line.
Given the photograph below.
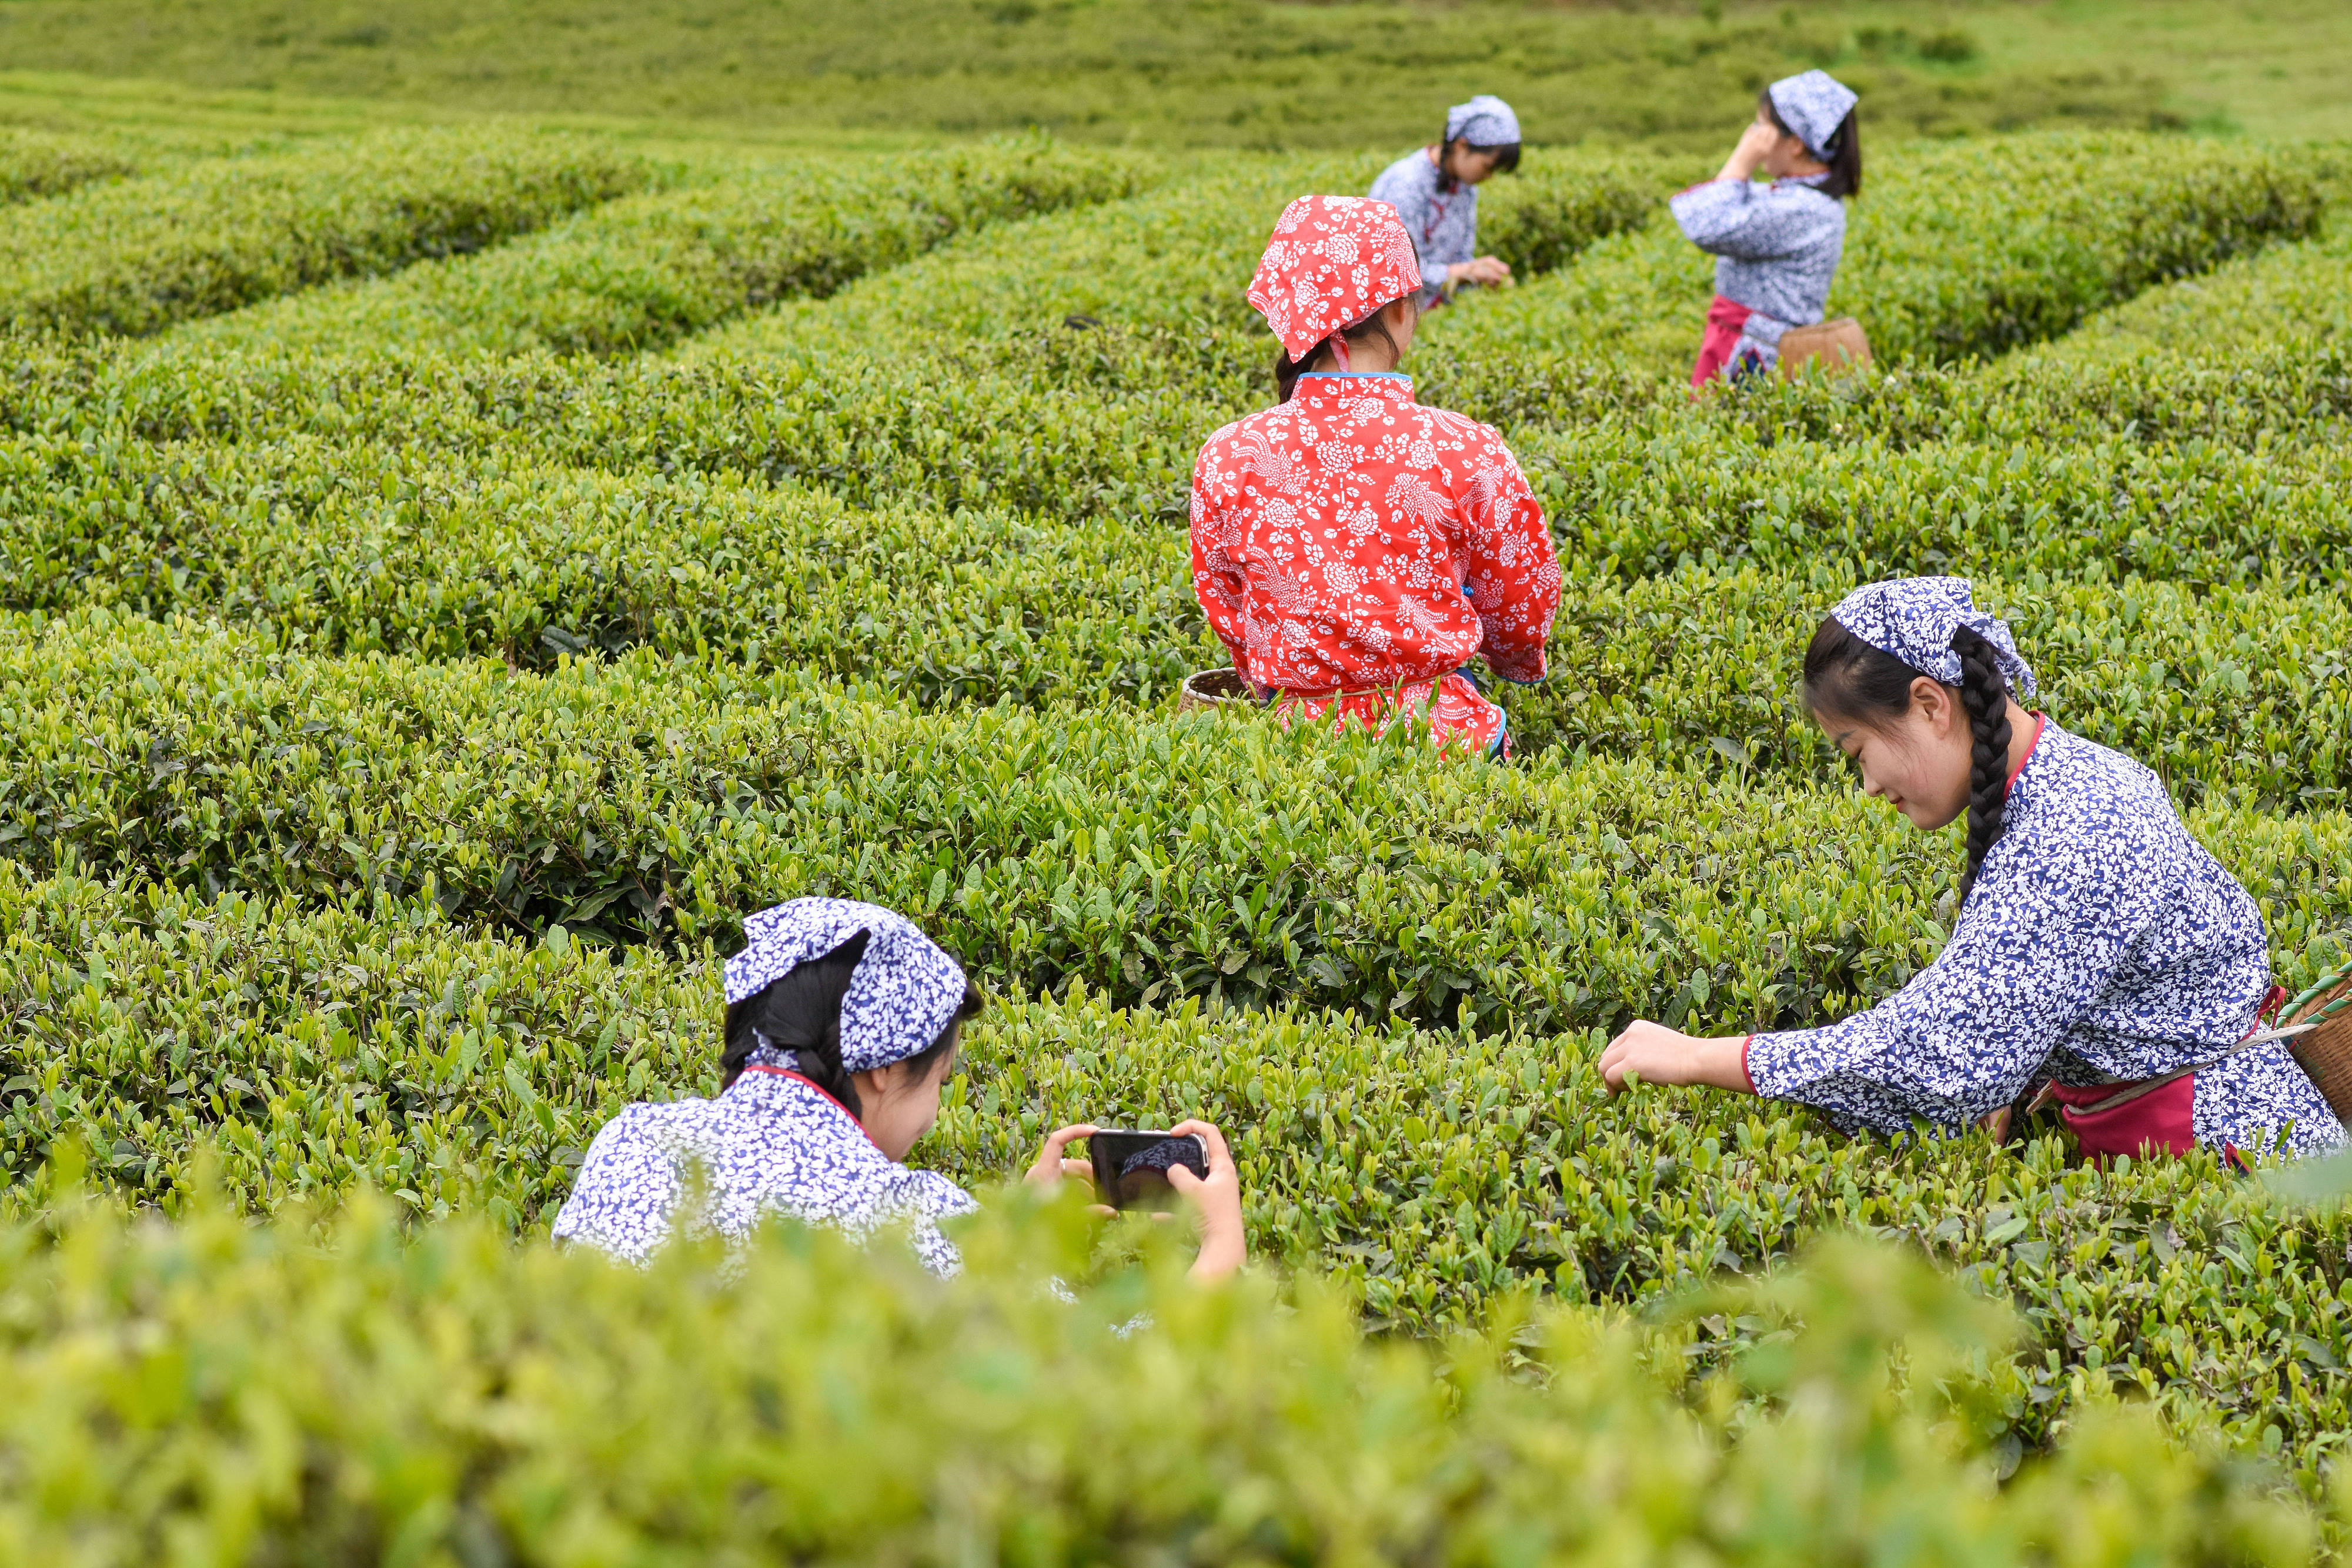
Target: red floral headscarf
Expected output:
[1333,260]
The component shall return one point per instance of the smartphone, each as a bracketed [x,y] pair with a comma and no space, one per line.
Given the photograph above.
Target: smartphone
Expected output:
[1131,1168]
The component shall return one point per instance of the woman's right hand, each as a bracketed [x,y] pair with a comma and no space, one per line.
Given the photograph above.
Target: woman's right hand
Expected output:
[1216,1202]
[1052,1167]
[1489,270]
[1747,157]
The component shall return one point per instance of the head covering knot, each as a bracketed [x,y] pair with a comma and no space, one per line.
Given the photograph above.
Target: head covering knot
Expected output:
[1813,104]
[1333,260]
[1486,121]
[1913,618]
[901,997]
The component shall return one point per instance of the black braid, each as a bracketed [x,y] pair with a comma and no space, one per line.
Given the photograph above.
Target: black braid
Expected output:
[1984,693]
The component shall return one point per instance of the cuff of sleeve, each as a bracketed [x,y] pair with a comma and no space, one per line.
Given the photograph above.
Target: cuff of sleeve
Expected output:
[1505,671]
[1743,1063]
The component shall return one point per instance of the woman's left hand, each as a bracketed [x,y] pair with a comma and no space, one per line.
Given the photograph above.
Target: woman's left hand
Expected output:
[1657,1054]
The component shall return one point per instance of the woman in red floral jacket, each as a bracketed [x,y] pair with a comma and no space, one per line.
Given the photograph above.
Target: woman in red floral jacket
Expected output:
[1354,550]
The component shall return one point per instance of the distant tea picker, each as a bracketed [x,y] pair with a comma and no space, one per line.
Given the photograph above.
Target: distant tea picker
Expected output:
[1435,192]
[1353,550]
[2099,957]
[1779,244]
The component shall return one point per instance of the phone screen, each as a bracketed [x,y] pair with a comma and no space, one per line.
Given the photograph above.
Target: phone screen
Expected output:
[1131,1168]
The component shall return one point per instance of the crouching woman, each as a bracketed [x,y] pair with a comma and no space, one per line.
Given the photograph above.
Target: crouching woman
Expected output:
[1353,549]
[843,1023]
[2100,953]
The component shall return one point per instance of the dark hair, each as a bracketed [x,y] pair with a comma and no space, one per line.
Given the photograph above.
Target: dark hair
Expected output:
[800,1012]
[1287,370]
[1849,677]
[1504,154]
[1845,149]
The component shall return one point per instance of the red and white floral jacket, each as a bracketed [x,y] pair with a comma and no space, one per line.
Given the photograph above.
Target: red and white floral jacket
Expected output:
[1354,550]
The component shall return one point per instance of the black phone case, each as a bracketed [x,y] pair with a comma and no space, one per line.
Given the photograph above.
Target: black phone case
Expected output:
[1112,1150]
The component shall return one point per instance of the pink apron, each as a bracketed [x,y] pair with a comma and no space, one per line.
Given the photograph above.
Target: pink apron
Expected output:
[1725,317]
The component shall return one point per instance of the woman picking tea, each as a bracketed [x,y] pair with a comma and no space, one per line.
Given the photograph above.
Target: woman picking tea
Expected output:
[1435,189]
[1353,548]
[2099,950]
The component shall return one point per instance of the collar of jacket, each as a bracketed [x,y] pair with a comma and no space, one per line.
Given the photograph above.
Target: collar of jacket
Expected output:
[1387,385]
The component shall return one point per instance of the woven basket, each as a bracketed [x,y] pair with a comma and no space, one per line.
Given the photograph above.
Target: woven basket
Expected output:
[2325,1052]
[1213,689]
[1833,346]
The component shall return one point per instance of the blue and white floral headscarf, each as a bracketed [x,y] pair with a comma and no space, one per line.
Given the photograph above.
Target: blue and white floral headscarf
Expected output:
[902,995]
[1914,618]
[1486,121]
[1813,104]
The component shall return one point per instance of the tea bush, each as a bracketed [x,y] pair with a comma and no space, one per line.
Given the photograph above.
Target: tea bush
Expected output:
[1433,1173]
[135,257]
[353,548]
[1966,250]
[1177,256]
[43,163]
[217,1390]
[407,686]
[638,273]
[1153,856]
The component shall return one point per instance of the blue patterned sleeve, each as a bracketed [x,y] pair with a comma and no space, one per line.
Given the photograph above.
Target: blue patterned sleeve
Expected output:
[2034,950]
[1412,204]
[1742,219]
[626,1193]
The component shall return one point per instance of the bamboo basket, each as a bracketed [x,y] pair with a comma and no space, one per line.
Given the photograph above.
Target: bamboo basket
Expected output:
[2325,1052]
[1211,690]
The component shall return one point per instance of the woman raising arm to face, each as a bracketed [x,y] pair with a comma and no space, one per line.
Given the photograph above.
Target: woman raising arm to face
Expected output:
[1778,244]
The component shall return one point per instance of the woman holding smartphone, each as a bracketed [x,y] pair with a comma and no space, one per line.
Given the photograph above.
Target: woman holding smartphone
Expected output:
[843,1022]
[2099,954]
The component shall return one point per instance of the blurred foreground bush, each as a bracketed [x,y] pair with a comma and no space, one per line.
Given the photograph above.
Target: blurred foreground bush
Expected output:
[210,1392]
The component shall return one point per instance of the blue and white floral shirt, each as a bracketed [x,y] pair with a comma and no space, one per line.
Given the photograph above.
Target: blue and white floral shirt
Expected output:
[1443,223]
[1778,244]
[2103,944]
[771,1144]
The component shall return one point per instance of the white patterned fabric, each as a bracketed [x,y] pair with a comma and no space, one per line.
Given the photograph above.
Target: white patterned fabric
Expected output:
[1440,215]
[1812,104]
[2102,945]
[1778,247]
[1484,121]
[1332,261]
[773,1143]
[902,995]
[1913,618]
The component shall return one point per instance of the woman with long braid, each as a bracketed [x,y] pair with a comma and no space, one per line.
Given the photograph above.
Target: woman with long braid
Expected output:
[2101,957]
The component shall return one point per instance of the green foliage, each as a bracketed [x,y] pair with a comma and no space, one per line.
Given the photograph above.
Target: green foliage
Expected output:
[1153,856]
[35,163]
[135,257]
[406,689]
[641,272]
[1225,73]
[232,1394]
[1433,1173]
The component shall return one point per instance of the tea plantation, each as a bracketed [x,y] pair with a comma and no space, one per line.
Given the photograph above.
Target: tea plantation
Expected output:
[448,578]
